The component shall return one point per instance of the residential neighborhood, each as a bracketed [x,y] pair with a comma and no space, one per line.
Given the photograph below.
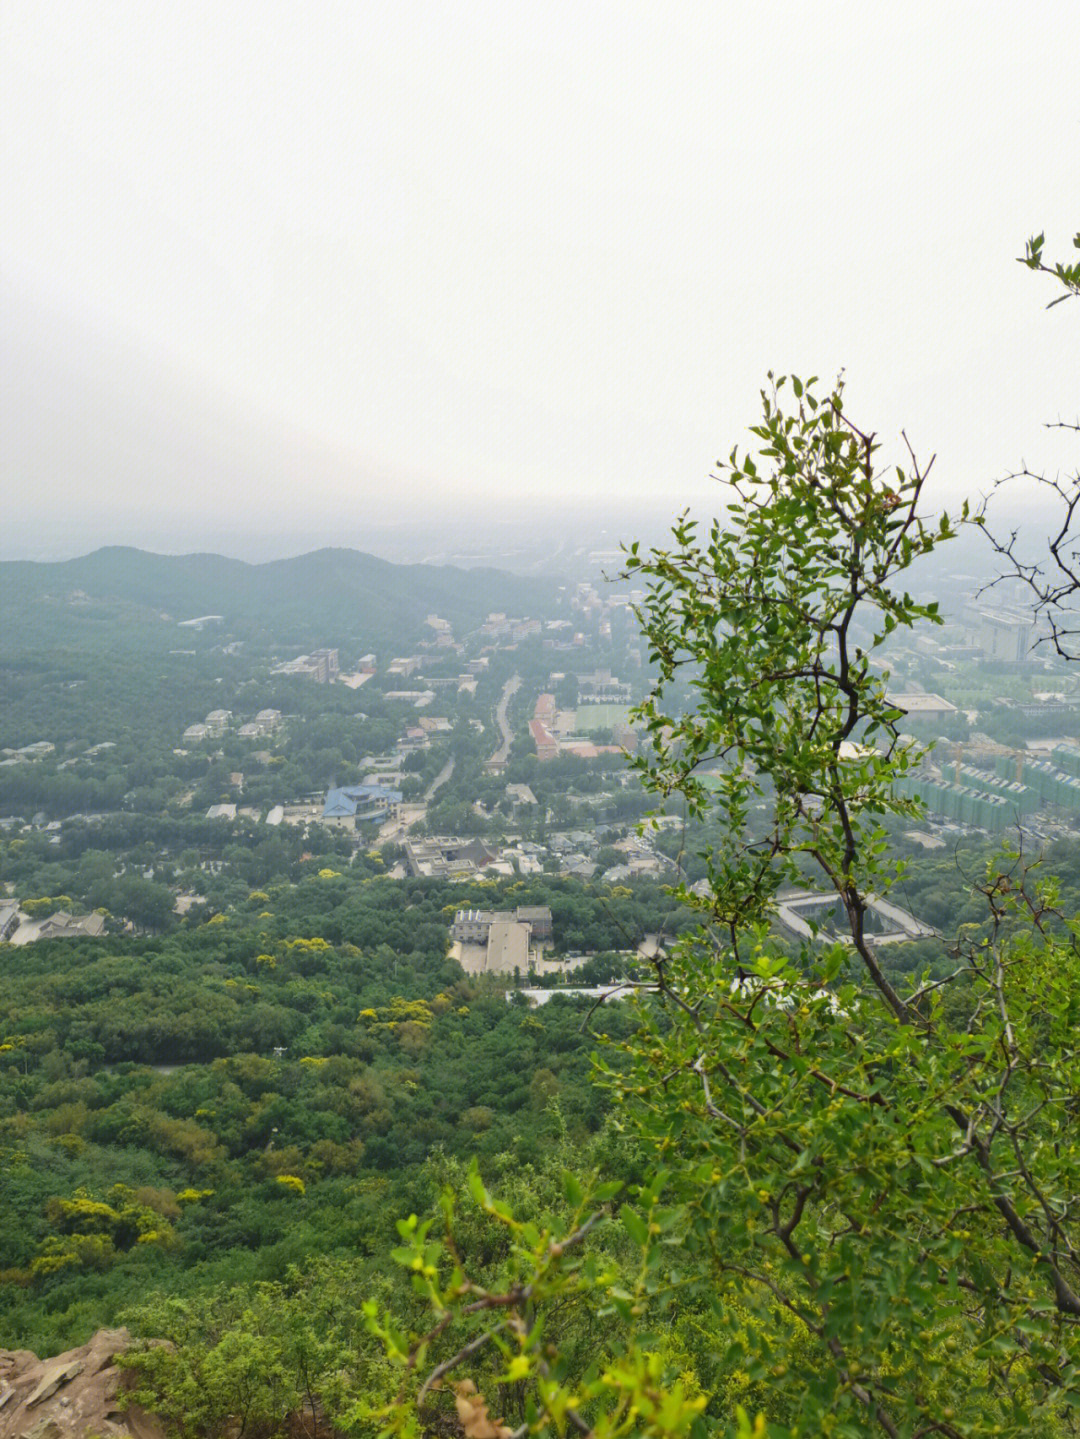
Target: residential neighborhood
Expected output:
[496,752]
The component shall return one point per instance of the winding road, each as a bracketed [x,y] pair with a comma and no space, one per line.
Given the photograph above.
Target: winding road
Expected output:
[510,688]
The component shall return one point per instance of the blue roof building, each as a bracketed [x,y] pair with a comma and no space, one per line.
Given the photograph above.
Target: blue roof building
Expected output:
[350,803]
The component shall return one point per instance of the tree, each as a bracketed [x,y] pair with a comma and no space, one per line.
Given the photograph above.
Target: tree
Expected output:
[566,692]
[862,1215]
[885,1156]
[147,904]
[1053,577]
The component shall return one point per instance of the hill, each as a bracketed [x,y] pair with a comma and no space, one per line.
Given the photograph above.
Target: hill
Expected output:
[330,596]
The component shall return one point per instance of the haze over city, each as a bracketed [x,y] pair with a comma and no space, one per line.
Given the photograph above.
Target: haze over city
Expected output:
[326,277]
[539,894]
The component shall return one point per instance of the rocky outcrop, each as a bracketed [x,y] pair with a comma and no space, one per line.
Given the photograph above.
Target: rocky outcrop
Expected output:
[71,1396]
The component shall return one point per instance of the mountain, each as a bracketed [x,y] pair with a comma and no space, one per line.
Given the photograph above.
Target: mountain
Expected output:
[327,597]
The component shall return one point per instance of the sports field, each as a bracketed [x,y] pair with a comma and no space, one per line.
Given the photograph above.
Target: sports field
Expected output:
[601,716]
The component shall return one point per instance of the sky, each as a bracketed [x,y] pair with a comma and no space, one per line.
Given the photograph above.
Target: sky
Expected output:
[279,275]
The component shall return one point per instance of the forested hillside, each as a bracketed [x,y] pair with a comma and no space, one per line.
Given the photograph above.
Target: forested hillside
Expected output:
[329,597]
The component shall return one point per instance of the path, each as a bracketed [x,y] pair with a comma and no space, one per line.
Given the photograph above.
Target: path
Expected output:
[510,688]
[440,779]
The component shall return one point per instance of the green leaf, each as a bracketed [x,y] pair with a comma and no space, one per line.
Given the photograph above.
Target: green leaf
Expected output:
[634,1225]
[573,1191]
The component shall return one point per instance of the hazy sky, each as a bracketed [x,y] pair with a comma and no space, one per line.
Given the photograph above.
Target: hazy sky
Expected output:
[306,267]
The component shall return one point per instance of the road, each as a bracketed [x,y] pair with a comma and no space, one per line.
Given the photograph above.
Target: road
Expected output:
[440,779]
[510,688]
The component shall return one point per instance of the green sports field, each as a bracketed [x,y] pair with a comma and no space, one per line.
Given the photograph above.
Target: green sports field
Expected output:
[601,716]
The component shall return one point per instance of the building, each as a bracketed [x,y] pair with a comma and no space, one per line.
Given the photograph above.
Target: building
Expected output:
[352,804]
[9,918]
[321,666]
[602,686]
[327,662]
[419,699]
[538,918]
[413,740]
[547,746]
[217,722]
[920,705]
[494,942]
[63,925]
[521,794]
[303,667]
[500,941]
[38,750]
[508,947]
[999,633]
[447,857]
[264,723]
[808,914]
[1051,707]
[473,926]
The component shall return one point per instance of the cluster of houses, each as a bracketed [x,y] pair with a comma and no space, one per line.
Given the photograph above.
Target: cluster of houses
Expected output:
[27,753]
[18,928]
[569,854]
[217,722]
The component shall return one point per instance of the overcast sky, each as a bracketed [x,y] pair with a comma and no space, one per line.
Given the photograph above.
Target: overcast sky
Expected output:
[308,267]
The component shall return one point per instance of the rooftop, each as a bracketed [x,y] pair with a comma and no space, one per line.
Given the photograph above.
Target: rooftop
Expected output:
[344,801]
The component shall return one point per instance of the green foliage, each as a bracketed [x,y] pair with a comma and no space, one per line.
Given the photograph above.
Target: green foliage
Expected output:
[836,1190]
[46,905]
[863,1185]
[775,618]
[91,1233]
[1067,275]
[351,1111]
[249,1357]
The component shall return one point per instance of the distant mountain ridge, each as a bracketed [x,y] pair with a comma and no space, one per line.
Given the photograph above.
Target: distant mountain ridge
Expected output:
[330,592]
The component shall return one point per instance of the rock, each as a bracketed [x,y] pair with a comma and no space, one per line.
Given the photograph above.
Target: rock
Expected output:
[45,1429]
[71,1395]
[59,1374]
